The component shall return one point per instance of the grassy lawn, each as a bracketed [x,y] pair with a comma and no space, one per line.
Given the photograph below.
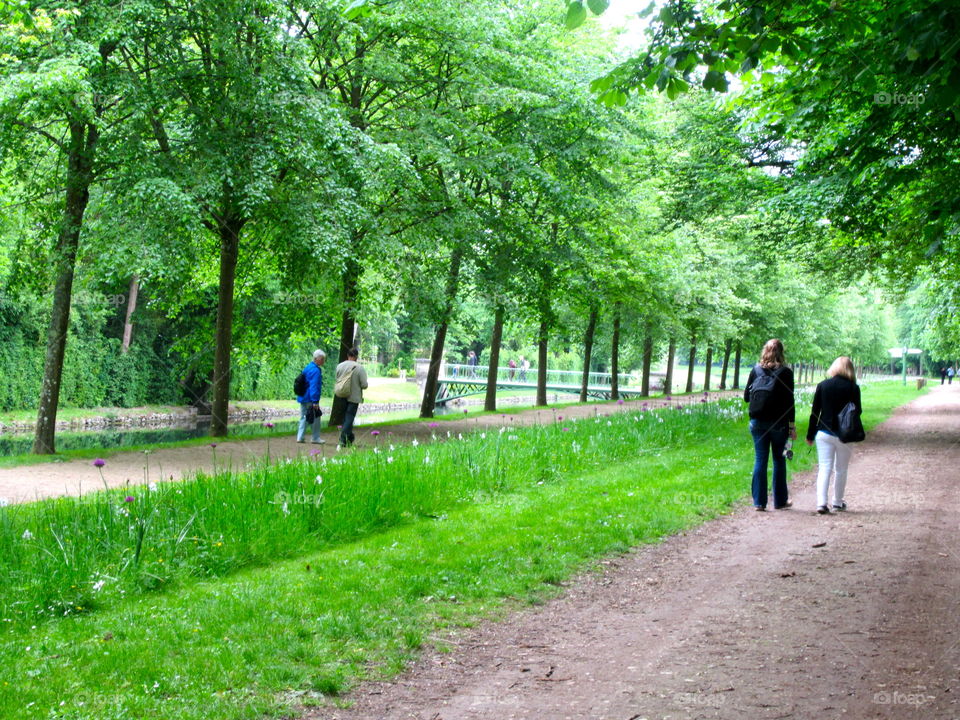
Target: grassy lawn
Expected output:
[371,573]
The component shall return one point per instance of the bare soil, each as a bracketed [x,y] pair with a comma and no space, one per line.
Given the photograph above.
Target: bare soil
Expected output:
[784,614]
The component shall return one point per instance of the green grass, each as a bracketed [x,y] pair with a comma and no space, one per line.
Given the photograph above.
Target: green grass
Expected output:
[365,599]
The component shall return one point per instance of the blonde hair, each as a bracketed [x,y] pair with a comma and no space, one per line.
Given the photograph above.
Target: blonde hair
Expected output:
[772,354]
[843,366]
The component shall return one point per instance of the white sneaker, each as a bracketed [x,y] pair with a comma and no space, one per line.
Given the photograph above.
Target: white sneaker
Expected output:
[319,442]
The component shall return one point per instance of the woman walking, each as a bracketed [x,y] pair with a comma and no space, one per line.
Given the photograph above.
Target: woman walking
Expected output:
[833,456]
[769,391]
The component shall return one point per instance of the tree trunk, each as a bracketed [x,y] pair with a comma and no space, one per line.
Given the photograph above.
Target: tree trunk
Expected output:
[542,337]
[693,358]
[131,306]
[348,331]
[615,356]
[490,402]
[671,356]
[706,373]
[436,354]
[588,352]
[229,250]
[81,151]
[647,361]
[736,365]
[727,347]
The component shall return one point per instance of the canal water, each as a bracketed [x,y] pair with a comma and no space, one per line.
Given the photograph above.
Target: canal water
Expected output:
[111,438]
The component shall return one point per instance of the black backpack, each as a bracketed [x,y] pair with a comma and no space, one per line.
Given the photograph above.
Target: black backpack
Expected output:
[300,385]
[849,427]
[762,389]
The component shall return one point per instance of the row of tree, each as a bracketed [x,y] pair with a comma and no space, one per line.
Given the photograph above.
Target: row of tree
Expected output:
[262,174]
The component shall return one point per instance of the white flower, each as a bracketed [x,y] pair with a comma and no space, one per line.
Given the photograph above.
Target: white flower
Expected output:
[483,436]
[390,459]
[376,451]
[4,502]
[448,433]
[609,423]
[414,443]
[27,535]
[391,448]
[152,487]
[459,436]
[98,584]
[426,459]
[286,510]
[319,479]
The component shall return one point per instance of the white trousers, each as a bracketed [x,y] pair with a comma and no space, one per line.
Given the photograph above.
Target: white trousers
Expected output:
[833,457]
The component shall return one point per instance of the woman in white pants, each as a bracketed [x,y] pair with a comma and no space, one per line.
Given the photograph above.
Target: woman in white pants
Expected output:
[833,456]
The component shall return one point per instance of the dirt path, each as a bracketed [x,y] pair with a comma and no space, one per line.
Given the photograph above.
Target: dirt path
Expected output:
[31,482]
[757,615]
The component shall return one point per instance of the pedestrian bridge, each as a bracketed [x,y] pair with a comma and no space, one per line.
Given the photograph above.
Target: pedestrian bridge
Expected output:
[457,381]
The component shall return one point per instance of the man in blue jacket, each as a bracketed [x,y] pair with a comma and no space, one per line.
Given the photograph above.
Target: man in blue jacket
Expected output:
[310,401]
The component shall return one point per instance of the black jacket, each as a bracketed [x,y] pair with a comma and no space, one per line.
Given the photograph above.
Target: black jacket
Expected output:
[831,396]
[779,409]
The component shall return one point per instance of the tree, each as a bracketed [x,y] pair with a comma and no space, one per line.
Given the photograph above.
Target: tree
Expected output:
[62,88]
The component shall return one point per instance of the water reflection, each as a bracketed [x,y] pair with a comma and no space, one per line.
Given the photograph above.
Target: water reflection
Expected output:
[121,437]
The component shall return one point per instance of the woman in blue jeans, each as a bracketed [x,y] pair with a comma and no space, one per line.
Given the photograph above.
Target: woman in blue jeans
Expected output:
[769,391]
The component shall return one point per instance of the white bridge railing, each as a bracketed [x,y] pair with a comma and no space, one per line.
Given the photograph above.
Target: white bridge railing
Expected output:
[571,378]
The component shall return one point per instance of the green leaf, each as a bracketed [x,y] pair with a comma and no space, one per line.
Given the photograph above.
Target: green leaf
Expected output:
[647,10]
[912,53]
[715,81]
[356,8]
[576,15]
[598,6]
[667,17]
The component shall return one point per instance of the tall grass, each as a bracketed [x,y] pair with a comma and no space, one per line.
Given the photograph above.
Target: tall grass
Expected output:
[267,640]
[74,555]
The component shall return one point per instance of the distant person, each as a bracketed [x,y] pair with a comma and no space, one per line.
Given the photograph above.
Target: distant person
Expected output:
[943,374]
[472,363]
[524,366]
[950,373]
[769,391]
[833,456]
[511,369]
[352,379]
[310,401]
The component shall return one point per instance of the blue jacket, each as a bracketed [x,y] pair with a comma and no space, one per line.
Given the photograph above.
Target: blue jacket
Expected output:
[314,383]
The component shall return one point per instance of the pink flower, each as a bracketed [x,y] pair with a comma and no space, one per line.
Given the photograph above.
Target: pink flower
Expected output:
[315,452]
[559,418]
[213,445]
[620,401]
[99,462]
[128,499]
[374,432]
[268,425]
[566,429]
[433,424]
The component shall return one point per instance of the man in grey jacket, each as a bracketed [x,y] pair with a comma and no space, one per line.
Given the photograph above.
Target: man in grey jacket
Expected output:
[352,372]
